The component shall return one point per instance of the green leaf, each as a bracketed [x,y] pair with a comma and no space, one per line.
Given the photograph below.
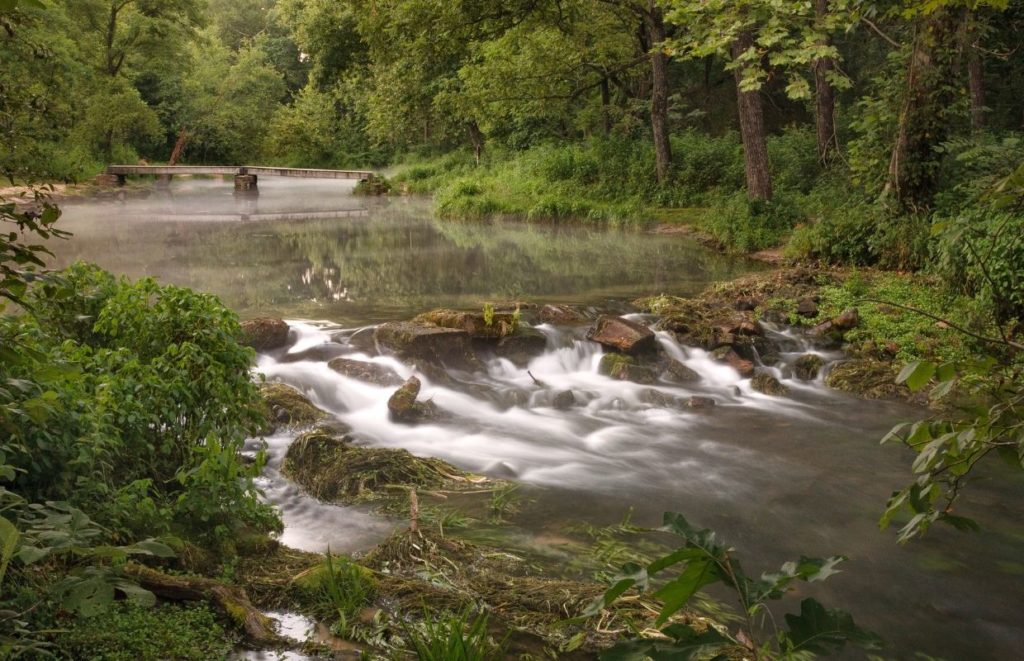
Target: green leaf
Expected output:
[916,374]
[9,537]
[677,592]
[30,554]
[822,631]
[151,547]
[686,644]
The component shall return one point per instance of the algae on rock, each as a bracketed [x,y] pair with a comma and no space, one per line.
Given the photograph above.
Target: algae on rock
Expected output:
[334,469]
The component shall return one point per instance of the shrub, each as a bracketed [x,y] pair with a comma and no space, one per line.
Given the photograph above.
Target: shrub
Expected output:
[744,225]
[981,254]
[138,418]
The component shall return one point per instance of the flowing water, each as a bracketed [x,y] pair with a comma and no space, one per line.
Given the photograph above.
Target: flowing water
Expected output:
[776,477]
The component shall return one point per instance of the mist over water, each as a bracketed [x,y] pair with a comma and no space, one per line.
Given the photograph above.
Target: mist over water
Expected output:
[777,477]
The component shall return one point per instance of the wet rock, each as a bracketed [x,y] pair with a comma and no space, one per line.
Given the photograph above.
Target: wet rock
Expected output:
[679,373]
[766,383]
[403,407]
[807,366]
[523,346]
[837,325]
[622,335]
[729,356]
[866,377]
[474,323]
[287,407]
[561,315]
[625,368]
[409,341]
[375,373]
[807,307]
[363,340]
[564,400]
[700,402]
[264,333]
[660,400]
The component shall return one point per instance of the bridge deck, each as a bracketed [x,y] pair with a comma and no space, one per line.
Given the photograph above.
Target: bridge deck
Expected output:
[258,170]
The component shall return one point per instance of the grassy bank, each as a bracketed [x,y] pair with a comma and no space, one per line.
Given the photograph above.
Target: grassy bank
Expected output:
[815,214]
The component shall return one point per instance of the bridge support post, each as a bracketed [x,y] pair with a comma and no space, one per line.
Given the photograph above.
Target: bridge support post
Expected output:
[245,183]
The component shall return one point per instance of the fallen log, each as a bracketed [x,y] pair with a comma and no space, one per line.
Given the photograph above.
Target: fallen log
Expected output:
[233,602]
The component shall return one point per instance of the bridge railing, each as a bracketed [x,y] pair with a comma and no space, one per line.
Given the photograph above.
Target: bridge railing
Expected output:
[237,170]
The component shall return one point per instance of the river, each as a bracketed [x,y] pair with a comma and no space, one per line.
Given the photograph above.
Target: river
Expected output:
[776,477]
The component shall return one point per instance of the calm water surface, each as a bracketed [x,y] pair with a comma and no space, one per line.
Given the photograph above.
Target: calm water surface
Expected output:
[777,477]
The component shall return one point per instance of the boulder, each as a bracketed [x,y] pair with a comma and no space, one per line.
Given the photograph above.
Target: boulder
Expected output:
[679,373]
[561,315]
[523,346]
[700,402]
[287,407]
[474,323]
[807,366]
[766,383]
[622,335]
[729,356]
[564,400]
[364,340]
[375,373]
[264,333]
[660,400]
[432,344]
[625,368]
[807,307]
[403,407]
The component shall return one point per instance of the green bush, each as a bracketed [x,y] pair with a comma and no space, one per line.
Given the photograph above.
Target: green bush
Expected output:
[132,403]
[981,254]
[744,225]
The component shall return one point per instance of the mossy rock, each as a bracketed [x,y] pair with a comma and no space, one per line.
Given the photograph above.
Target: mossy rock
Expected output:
[362,370]
[807,366]
[286,406]
[501,324]
[765,382]
[264,333]
[625,368]
[333,469]
[872,379]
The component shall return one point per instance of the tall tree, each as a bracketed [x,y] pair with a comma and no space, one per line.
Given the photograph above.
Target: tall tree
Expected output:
[824,91]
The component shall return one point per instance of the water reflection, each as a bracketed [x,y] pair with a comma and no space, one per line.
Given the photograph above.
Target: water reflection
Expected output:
[310,250]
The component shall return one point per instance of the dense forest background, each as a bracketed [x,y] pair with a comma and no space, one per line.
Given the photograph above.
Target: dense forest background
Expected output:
[749,119]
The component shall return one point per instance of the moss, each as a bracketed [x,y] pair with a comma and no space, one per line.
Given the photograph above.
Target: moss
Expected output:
[764,382]
[288,407]
[612,361]
[873,379]
[333,469]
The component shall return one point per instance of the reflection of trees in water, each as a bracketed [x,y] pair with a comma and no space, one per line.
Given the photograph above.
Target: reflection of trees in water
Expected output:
[398,260]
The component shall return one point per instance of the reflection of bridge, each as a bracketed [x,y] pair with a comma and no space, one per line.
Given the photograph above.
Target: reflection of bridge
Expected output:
[289,215]
[246,176]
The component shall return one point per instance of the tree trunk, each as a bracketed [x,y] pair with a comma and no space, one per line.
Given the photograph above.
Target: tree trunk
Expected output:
[755,148]
[659,92]
[925,115]
[179,145]
[975,74]
[476,138]
[824,96]
[606,103]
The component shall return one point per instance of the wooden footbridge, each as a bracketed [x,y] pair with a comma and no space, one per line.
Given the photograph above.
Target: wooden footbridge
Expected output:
[246,176]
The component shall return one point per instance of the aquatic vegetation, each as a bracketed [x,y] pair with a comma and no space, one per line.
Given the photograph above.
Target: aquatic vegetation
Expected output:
[446,636]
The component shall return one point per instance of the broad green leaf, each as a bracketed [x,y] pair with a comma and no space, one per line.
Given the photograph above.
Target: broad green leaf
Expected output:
[677,592]
[916,374]
[822,631]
